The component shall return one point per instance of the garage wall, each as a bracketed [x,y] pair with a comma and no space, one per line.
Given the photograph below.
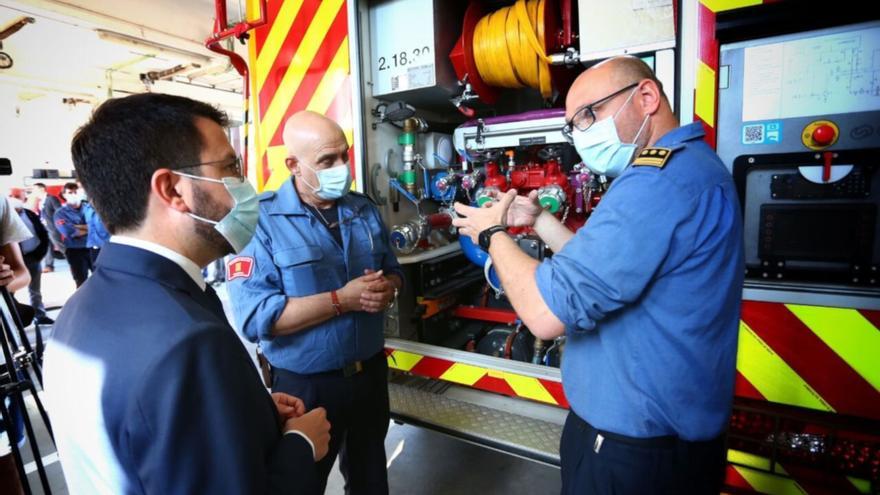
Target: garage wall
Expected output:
[37,134]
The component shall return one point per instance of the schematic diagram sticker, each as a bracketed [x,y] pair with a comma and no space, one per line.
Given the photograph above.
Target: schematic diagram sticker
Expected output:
[763,133]
[817,75]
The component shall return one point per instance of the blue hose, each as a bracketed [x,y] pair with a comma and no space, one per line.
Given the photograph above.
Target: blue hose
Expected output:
[478,257]
[396,185]
[426,175]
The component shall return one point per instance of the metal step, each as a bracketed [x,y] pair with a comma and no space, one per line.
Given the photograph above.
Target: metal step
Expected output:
[454,411]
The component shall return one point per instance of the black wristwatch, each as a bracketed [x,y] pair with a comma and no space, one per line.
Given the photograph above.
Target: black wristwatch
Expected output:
[485,237]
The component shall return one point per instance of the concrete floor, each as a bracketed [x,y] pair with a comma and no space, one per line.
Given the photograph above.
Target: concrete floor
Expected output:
[420,461]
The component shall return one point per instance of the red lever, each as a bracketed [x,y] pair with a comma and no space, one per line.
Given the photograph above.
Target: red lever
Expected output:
[826,169]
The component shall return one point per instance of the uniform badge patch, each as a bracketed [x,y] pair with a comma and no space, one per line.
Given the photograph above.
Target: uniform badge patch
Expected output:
[653,157]
[239,267]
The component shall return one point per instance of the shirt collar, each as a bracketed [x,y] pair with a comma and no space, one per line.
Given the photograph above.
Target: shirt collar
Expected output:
[288,202]
[681,134]
[191,269]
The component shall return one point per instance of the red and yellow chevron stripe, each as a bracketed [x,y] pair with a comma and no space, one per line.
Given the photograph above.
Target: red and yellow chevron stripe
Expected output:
[810,356]
[502,382]
[300,61]
[815,357]
[750,472]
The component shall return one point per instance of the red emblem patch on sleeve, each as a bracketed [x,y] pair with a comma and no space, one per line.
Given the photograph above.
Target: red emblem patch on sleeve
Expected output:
[239,267]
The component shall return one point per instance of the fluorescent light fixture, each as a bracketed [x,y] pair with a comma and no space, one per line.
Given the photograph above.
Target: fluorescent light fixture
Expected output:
[149,47]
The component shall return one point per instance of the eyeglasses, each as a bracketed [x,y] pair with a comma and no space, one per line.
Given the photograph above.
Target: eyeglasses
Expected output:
[233,164]
[586,115]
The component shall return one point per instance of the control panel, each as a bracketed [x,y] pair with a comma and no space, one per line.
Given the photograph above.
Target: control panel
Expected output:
[799,128]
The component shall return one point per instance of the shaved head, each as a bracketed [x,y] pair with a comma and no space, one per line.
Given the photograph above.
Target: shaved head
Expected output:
[313,143]
[606,77]
[626,69]
[645,107]
[304,130]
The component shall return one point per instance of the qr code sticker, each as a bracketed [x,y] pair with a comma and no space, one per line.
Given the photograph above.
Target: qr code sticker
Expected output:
[753,134]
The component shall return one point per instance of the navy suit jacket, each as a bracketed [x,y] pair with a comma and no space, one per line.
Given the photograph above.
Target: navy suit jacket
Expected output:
[151,391]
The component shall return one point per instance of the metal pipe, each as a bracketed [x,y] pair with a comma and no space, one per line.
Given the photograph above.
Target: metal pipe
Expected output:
[537,358]
[239,31]
[407,140]
[220,20]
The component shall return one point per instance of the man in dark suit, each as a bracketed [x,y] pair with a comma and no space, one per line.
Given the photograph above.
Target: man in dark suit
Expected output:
[148,387]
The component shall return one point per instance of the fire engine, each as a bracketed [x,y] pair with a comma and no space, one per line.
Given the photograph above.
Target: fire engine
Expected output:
[448,101]
[445,101]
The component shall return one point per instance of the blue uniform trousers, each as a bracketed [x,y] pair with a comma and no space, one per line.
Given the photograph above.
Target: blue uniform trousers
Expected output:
[358,411]
[596,462]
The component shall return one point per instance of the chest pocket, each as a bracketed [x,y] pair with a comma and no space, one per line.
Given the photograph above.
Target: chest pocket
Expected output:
[301,269]
[367,249]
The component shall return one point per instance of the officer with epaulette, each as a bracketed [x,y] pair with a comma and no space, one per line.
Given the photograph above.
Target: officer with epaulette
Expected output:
[647,293]
[311,288]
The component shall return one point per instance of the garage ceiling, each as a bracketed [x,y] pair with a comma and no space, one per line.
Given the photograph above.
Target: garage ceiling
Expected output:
[89,50]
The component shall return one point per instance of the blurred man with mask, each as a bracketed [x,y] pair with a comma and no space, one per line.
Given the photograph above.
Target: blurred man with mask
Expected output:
[647,293]
[311,288]
[47,204]
[148,387]
[70,220]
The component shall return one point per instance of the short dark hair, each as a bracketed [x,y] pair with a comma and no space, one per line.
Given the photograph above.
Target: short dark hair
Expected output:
[126,140]
[39,184]
[69,186]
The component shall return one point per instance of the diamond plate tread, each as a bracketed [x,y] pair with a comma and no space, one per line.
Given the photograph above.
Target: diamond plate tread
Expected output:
[523,435]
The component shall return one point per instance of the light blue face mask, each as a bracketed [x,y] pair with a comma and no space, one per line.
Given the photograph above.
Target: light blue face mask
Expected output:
[600,147]
[333,182]
[239,225]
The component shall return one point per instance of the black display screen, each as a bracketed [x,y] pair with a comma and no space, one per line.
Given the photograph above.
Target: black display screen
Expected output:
[818,232]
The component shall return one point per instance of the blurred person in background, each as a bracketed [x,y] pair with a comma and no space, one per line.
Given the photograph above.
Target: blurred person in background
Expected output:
[33,250]
[70,220]
[47,205]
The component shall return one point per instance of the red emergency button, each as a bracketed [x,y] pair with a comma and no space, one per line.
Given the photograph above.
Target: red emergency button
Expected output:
[824,135]
[820,134]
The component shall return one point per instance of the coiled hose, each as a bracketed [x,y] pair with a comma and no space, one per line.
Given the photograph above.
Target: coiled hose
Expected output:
[509,49]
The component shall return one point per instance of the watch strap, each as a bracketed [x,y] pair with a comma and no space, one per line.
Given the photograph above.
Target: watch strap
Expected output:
[485,237]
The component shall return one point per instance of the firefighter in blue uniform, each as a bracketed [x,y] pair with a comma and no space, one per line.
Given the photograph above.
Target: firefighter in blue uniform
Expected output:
[647,293]
[98,235]
[70,220]
[311,288]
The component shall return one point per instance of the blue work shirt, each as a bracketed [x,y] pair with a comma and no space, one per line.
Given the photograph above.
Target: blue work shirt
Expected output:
[293,254]
[98,235]
[649,292]
[65,219]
